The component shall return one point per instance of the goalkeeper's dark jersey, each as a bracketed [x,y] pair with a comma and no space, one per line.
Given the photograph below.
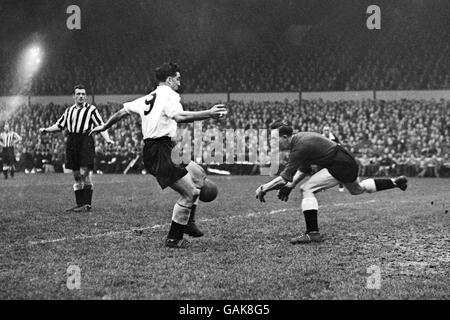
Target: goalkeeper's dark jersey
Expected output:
[308,148]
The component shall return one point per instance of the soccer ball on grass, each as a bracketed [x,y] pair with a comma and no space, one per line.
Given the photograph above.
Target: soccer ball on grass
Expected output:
[209,191]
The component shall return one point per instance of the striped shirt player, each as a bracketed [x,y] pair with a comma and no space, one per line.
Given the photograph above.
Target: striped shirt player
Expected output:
[8,140]
[78,120]
[338,166]
[160,112]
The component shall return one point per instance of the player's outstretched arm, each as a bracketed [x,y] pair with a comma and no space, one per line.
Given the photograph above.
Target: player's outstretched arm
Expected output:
[53,128]
[216,112]
[116,117]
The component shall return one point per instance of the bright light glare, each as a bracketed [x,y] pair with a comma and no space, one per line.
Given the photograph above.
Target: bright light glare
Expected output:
[30,62]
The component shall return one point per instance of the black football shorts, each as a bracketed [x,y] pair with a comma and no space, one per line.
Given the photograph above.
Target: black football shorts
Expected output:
[342,165]
[158,161]
[8,156]
[80,151]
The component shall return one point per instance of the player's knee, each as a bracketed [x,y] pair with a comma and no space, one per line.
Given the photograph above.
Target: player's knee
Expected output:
[368,185]
[190,196]
[197,173]
[84,172]
[77,176]
[306,191]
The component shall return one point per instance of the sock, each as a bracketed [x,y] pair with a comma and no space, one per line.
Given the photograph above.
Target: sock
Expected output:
[79,193]
[5,173]
[87,196]
[12,172]
[79,197]
[176,231]
[311,220]
[194,207]
[384,184]
[192,215]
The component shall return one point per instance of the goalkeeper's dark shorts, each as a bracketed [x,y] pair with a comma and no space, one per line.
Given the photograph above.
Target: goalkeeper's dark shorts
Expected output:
[341,165]
[158,161]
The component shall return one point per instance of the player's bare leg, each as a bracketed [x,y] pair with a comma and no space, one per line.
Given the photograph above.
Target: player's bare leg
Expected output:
[374,185]
[86,191]
[198,176]
[181,211]
[319,181]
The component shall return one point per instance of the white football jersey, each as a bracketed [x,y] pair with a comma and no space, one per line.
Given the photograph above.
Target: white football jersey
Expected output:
[157,110]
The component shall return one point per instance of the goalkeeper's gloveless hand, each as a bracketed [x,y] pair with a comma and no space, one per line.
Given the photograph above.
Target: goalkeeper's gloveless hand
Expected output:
[260,194]
[283,193]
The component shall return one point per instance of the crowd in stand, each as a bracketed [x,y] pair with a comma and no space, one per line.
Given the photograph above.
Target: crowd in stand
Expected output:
[410,137]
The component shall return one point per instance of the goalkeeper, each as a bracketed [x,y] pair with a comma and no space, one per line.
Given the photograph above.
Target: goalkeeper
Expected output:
[338,166]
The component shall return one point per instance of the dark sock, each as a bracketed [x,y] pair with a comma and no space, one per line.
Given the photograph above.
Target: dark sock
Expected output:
[383,184]
[88,195]
[192,215]
[311,220]
[5,173]
[176,231]
[79,197]
[12,173]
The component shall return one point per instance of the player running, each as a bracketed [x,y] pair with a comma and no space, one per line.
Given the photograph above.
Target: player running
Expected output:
[338,166]
[160,112]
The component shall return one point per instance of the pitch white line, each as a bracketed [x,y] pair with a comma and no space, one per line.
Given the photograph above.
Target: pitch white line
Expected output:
[159,226]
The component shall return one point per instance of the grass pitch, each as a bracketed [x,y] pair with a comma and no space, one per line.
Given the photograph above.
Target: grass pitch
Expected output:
[245,253]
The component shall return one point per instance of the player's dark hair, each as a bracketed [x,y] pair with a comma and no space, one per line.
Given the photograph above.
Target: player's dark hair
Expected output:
[283,128]
[78,86]
[166,70]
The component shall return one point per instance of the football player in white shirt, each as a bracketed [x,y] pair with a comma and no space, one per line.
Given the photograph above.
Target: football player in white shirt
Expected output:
[160,112]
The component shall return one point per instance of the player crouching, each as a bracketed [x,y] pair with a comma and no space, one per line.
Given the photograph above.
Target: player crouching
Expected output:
[339,166]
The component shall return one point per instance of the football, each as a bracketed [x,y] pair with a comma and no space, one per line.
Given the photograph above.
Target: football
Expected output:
[209,191]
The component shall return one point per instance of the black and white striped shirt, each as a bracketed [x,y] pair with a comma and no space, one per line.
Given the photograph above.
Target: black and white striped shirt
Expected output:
[80,119]
[8,139]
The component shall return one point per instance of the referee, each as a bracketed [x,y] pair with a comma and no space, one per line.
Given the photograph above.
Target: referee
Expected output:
[7,140]
[79,119]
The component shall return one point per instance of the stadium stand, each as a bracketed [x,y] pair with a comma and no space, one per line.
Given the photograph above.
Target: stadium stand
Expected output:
[306,48]
[409,137]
